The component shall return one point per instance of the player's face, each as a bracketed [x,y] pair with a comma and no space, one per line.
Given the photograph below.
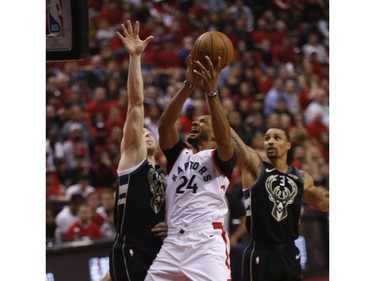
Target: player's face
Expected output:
[150,140]
[276,144]
[201,130]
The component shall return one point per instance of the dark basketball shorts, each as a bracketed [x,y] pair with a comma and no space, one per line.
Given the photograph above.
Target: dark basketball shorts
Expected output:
[131,257]
[271,263]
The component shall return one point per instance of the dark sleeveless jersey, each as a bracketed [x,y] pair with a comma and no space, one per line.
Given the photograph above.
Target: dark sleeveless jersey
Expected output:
[273,206]
[140,199]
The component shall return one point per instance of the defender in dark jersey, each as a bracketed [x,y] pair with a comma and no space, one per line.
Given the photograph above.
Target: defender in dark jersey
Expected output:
[273,194]
[139,207]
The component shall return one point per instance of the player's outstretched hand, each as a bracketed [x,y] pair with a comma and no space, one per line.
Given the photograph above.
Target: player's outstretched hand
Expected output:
[130,38]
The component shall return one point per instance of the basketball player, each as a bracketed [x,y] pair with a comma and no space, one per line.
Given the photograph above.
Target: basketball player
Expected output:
[139,207]
[197,246]
[273,194]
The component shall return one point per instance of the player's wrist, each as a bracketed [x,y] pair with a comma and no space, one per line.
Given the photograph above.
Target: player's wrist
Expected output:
[212,94]
[189,85]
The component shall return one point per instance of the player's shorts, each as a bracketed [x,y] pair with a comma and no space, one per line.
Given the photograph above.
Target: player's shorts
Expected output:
[271,263]
[194,253]
[131,257]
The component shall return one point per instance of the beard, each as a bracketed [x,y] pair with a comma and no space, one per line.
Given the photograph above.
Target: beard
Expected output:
[194,141]
[272,154]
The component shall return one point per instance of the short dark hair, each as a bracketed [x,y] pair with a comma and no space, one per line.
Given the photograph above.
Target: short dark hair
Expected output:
[76,198]
[286,133]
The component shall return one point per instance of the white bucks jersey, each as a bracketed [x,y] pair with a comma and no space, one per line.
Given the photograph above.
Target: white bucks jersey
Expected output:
[195,190]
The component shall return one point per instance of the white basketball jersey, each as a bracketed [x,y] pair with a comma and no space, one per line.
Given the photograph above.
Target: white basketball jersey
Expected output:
[195,190]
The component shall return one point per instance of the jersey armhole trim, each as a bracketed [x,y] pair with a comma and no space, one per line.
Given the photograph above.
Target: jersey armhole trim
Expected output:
[132,169]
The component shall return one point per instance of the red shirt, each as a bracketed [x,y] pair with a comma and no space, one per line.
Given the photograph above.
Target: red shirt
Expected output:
[314,129]
[77,231]
[53,186]
[98,219]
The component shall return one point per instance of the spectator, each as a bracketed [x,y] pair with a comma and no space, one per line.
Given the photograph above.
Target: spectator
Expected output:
[50,225]
[55,190]
[92,200]
[114,119]
[105,31]
[276,93]
[106,203]
[84,227]
[76,151]
[319,105]
[235,122]
[187,118]
[82,88]
[97,72]
[103,172]
[82,187]
[239,9]
[314,47]
[54,149]
[323,139]
[152,118]
[316,126]
[108,227]
[77,118]
[121,102]
[52,120]
[68,214]
[98,103]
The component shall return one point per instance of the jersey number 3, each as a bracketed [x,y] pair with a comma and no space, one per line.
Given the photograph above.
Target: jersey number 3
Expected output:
[187,184]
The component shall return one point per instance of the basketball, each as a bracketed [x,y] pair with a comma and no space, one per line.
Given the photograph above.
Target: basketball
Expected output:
[213,44]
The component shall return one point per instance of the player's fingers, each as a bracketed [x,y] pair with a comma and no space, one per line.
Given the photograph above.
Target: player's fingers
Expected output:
[189,60]
[136,28]
[203,75]
[159,227]
[210,64]
[201,66]
[124,30]
[217,66]
[119,35]
[129,26]
[148,40]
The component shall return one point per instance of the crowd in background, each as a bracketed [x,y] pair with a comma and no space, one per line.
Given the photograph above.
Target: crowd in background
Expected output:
[279,76]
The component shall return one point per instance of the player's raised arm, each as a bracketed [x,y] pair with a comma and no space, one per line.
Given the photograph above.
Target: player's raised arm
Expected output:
[248,160]
[133,146]
[168,133]
[316,197]
[220,123]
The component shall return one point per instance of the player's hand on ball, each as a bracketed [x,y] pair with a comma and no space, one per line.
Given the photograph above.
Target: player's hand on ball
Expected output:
[191,77]
[210,75]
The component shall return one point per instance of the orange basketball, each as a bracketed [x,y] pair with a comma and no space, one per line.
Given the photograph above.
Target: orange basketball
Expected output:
[213,44]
